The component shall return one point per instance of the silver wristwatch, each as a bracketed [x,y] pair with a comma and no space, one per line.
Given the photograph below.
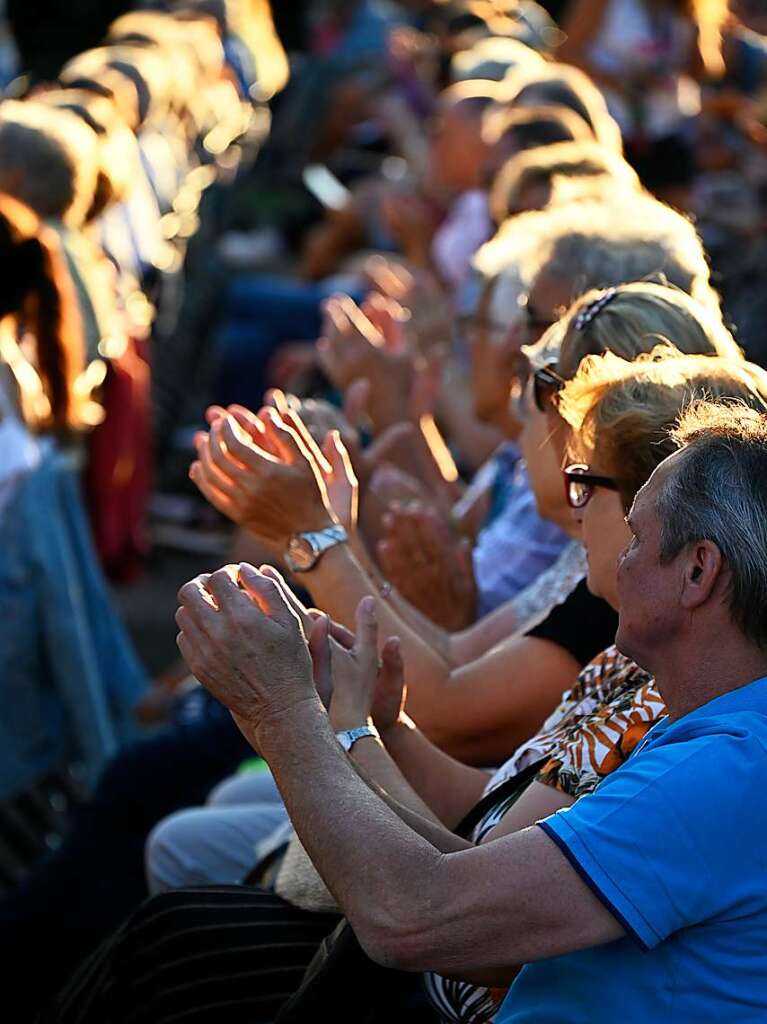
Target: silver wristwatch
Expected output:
[305,549]
[349,737]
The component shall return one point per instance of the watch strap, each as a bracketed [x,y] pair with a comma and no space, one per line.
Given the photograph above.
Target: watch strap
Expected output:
[348,737]
[319,541]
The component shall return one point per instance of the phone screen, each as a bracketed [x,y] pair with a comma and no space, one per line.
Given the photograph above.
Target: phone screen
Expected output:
[326,187]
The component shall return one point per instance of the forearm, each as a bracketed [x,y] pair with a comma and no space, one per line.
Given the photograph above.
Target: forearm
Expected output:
[377,767]
[449,787]
[358,843]
[478,639]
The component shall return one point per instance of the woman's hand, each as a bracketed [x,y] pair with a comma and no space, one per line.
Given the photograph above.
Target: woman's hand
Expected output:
[358,674]
[429,566]
[265,473]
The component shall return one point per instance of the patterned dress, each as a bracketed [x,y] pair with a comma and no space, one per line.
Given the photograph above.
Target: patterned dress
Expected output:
[596,727]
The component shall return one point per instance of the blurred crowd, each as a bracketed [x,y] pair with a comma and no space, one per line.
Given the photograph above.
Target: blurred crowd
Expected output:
[407,301]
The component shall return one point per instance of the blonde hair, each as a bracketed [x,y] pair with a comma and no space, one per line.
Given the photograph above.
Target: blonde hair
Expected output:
[622,413]
[547,164]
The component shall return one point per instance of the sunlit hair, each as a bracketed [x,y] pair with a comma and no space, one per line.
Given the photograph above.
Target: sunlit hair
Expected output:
[624,238]
[38,298]
[716,490]
[544,166]
[493,58]
[567,86]
[639,317]
[525,128]
[48,160]
[621,411]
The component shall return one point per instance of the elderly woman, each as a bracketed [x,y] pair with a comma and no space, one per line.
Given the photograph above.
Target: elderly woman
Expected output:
[622,413]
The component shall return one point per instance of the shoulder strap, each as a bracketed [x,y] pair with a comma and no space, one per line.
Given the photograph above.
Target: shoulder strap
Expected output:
[515,785]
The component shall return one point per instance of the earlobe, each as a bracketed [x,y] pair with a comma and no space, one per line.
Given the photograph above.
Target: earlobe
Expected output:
[701,574]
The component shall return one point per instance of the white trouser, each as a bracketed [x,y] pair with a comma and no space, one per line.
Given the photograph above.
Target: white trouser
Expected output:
[215,844]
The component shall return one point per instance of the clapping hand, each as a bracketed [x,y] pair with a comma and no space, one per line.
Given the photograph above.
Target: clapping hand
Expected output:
[265,473]
[429,566]
[245,644]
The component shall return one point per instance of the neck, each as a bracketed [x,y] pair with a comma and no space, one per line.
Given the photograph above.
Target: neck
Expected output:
[696,673]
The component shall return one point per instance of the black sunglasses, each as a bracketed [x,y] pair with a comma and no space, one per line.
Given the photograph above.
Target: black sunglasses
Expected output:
[580,484]
[547,383]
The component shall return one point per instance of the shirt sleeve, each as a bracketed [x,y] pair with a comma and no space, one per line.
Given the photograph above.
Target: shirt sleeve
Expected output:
[673,837]
[583,624]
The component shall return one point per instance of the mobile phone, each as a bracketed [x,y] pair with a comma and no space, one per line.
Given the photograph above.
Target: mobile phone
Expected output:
[326,187]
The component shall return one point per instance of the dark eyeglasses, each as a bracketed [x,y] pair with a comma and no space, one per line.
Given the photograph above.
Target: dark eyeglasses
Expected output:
[580,484]
[547,383]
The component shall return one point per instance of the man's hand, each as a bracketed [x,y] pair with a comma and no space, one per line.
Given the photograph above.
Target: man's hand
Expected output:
[260,472]
[245,644]
[429,566]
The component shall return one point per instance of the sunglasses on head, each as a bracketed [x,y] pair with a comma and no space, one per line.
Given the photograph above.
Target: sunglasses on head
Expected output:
[580,484]
[547,384]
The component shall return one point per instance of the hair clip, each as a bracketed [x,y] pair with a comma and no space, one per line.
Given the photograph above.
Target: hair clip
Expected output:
[587,314]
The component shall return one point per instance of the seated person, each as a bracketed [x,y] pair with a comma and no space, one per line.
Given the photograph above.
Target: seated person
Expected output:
[599,733]
[216,844]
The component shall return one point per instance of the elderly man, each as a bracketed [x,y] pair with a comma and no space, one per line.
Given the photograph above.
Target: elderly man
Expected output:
[647,899]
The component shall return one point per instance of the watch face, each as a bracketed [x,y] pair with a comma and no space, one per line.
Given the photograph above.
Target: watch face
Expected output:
[301,554]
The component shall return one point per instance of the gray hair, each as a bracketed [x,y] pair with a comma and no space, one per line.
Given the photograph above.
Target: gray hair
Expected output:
[717,491]
[620,239]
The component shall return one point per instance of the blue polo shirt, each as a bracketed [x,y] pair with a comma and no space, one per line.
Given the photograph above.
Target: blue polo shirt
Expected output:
[674,843]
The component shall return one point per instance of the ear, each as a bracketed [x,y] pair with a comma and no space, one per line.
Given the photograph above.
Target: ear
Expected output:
[702,567]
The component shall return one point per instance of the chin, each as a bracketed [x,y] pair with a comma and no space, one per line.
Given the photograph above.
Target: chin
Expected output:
[623,641]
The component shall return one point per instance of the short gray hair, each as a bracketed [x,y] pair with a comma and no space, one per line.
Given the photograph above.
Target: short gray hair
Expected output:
[717,491]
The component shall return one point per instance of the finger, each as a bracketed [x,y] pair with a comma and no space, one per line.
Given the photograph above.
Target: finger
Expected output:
[284,437]
[222,453]
[268,596]
[277,399]
[392,664]
[319,650]
[195,597]
[342,636]
[292,419]
[213,413]
[236,446]
[337,457]
[360,322]
[298,607]
[366,630]
[390,442]
[211,472]
[217,498]
[248,420]
[223,585]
